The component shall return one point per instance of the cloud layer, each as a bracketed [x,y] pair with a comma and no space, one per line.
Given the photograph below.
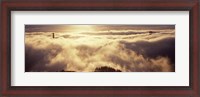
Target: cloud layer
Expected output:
[85,52]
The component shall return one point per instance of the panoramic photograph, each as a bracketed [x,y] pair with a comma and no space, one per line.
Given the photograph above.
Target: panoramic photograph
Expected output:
[99,48]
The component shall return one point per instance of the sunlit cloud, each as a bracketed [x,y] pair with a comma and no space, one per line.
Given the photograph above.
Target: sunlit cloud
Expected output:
[138,51]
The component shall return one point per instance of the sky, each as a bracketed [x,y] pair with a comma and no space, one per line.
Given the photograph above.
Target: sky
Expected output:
[89,28]
[95,48]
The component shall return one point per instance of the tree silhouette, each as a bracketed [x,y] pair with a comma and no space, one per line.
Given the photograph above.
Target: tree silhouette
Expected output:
[106,69]
[65,71]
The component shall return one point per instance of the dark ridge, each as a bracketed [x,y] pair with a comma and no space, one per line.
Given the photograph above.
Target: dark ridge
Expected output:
[66,71]
[106,69]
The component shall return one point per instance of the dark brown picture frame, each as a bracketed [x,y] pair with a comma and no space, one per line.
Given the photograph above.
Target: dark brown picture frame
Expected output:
[193,90]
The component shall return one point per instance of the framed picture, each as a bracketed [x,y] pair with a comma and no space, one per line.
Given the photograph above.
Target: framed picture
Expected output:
[139,48]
